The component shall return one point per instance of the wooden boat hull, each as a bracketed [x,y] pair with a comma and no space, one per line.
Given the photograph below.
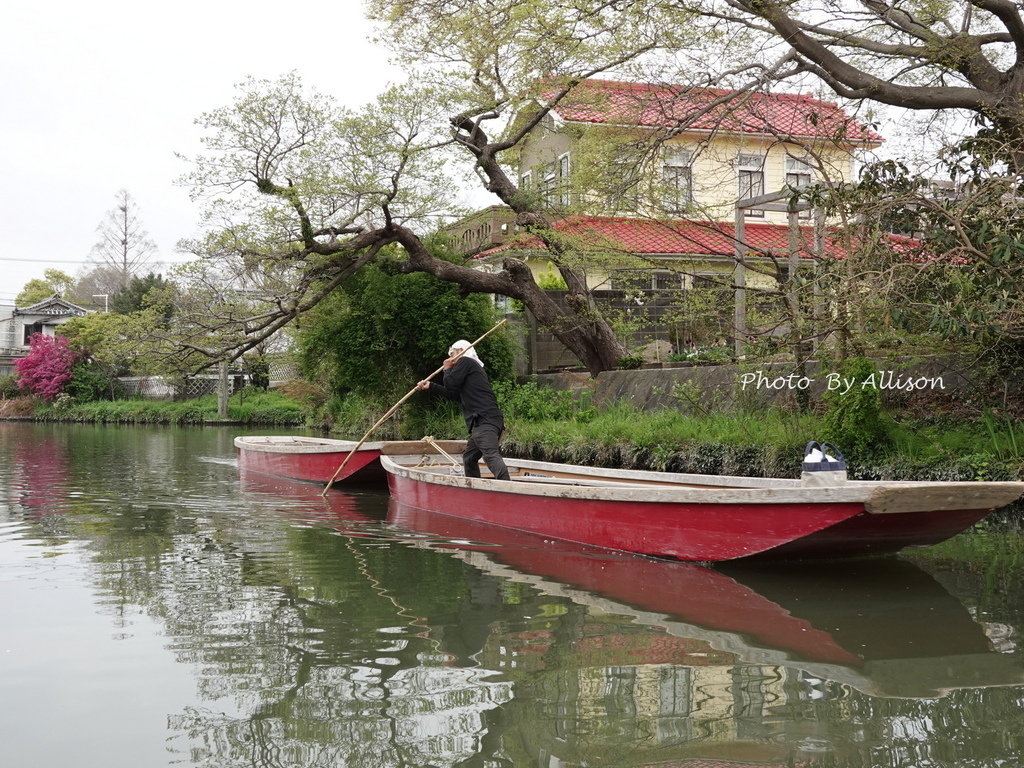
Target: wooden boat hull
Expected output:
[883,625]
[311,459]
[318,459]
[703,518]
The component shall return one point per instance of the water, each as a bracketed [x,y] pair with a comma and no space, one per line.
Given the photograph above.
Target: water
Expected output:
[159,609]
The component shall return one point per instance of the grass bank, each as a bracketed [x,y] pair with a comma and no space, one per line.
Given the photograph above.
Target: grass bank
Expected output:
[769,443]
[553,425]
[253,407]
[556,426]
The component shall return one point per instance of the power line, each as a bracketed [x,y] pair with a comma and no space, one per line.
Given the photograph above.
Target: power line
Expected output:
[46,261]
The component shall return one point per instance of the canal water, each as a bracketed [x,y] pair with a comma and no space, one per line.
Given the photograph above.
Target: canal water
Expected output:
[160,609]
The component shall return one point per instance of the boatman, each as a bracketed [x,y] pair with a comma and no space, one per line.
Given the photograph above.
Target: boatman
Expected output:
[464,380]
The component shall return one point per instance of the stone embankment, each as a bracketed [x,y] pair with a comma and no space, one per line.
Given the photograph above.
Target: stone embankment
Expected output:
[752,385]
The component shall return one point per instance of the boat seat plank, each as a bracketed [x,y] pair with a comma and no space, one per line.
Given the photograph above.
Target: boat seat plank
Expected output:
[565,478]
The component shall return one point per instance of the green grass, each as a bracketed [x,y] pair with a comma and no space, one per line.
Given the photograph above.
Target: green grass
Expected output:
[622,424]
[769,442]
[545,424]
[253,407]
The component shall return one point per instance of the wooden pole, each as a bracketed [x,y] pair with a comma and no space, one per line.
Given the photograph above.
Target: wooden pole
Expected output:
[395,407]
[223,395]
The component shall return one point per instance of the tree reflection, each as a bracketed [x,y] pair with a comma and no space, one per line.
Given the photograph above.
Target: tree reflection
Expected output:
[320,636]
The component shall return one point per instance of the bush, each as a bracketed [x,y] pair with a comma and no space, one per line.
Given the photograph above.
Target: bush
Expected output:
[48,367]
[91,382]
[630,362]
[9,387]
[854,420]
[384,332]
[530,403]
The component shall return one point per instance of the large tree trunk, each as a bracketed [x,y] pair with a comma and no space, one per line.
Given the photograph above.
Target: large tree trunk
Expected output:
[585,332]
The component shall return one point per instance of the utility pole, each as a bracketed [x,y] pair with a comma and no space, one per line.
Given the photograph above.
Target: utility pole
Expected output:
[222,390]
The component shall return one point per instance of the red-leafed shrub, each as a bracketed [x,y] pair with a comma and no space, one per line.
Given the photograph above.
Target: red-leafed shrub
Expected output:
[48,367]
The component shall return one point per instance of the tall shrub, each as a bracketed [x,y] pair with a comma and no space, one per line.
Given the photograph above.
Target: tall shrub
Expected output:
[48,367]
[385,331]
[854,419]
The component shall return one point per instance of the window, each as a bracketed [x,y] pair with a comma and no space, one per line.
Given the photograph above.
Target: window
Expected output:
[798,173]
[707,280]
[548,179]
[677,174]
[552,181]
[645,280]
[750,174]
[630,280]
[565,197]
[666,280]
[798,176]
[30,331]
[623,178]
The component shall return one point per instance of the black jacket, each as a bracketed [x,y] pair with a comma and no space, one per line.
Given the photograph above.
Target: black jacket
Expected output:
[467,383]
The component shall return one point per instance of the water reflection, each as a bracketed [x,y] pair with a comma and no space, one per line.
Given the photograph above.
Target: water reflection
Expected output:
[883,626]
[345,630]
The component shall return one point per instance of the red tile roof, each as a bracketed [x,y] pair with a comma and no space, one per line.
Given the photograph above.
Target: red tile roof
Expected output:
[668,106]
[670,238]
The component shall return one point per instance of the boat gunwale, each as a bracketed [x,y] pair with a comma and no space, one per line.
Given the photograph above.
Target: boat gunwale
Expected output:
[301,445]
[645,486]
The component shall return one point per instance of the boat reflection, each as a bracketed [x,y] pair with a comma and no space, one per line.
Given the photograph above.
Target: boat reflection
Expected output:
[883,626]
[557,654]
[351,512]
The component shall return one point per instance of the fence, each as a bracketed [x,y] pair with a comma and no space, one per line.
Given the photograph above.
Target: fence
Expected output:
[642,316]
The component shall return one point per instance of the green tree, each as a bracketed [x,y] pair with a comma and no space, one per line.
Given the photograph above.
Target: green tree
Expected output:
[38,289]
[324,190]
[385,331]
[143,292]
[133,344]
[954,281]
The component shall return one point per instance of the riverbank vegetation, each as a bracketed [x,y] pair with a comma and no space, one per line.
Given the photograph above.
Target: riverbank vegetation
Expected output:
[558,425]
[250,407]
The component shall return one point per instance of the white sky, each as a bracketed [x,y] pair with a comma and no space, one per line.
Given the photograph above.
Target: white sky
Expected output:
[98,96]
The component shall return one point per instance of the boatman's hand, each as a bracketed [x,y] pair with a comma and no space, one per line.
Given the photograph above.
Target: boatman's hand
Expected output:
[423,385]
[450,362]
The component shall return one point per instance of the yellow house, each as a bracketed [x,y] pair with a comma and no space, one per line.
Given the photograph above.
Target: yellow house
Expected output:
[656,171]
[664,189]
[658,150]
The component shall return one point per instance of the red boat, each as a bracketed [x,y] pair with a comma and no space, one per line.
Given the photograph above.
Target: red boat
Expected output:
[313,459]
[882,625]
[707,518]
[318,459]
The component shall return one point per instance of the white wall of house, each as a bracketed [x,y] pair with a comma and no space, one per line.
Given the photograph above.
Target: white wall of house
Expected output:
[18,324]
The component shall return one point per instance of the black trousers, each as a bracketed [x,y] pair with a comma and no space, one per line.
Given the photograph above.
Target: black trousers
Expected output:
[484,444]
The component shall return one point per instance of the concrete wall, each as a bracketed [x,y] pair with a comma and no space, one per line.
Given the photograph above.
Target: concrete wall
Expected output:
[749,385]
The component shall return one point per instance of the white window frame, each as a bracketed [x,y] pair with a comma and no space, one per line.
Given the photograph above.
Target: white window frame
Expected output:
[676,167]
[564,168]
[750,180]
[799,174]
